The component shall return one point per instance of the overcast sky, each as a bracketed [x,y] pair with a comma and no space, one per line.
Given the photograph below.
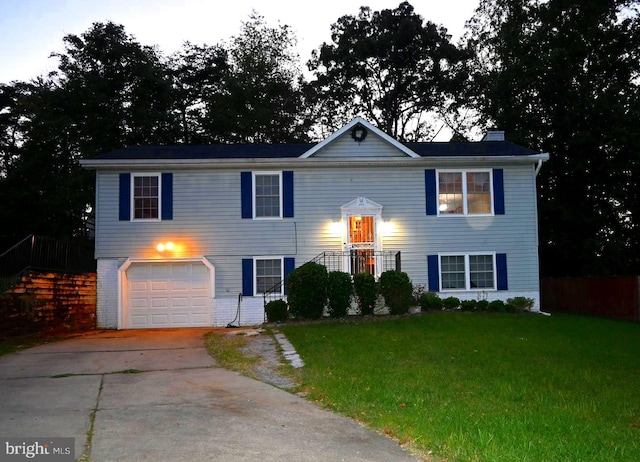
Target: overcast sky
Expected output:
[30,30]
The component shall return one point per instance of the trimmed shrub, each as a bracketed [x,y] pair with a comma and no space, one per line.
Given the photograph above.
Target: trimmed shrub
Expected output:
[521,303]
[497,305]
[339,293]
[482,305]
[307,290]
[468,305]
[510,308]
[451,303]
[276,311]
[430,302]
[365,286]
[397,290]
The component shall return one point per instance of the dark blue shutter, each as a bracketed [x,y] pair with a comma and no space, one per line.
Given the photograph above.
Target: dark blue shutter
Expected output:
[289,265]
[501,270]
[125,197]
[430,189]
[247,277]
[434,276]
[167,196]
[498,191]
[246,193]
[287,194]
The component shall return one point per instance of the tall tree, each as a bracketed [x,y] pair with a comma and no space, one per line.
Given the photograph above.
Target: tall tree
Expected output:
[109,92]
[201,74]
[119,91]
[389,66]
[563,76]
[263,100]
[44,191]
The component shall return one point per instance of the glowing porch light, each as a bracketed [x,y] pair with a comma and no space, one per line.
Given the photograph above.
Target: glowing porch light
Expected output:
[336,229]
[387,228]
[161,247]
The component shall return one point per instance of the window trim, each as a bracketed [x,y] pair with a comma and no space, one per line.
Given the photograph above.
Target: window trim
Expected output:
[465,196]
[254,192]
[467,272]
[135,175]
[255,274]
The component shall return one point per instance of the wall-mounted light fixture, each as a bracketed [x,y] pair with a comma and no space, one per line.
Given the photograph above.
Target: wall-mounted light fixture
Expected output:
[336,229]
[358,133]
[165,246]
[387,228]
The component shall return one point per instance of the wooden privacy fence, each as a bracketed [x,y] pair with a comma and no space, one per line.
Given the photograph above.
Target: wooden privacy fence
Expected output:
[612,297]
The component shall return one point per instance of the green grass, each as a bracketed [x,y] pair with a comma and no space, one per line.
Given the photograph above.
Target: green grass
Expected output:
[10,343]
[226,349]
[483,387]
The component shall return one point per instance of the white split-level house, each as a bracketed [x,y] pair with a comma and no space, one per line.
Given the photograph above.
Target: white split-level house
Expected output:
[195,235]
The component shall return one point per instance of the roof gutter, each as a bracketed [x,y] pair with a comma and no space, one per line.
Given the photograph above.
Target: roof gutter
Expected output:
[118,164]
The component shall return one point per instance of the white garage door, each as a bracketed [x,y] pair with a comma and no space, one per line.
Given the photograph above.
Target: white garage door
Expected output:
[168,295]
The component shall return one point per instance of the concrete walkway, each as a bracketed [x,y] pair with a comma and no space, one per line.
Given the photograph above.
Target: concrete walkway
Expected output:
[157,395]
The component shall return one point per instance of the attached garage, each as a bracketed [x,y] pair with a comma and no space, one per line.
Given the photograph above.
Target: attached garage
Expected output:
[167,294]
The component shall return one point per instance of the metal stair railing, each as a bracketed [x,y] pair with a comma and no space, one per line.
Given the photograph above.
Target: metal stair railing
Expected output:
[41,253]
[334,261]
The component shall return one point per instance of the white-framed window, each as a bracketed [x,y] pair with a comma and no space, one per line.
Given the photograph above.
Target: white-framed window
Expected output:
[146,191]
[267,195]
[267,272]
[465,192]
[471,271]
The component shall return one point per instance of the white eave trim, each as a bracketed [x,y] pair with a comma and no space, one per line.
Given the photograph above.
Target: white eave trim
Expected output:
[298,163]
[368,126]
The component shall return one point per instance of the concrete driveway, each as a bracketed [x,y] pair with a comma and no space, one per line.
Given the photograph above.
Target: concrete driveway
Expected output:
[157,395]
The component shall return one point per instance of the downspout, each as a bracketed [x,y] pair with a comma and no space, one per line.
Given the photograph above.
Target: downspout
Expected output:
[539,166]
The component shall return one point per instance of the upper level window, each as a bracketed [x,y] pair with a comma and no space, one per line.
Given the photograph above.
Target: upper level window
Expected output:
[146,197]
[268,195]
[464,192]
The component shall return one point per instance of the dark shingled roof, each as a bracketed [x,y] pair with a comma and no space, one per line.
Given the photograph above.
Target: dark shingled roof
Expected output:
[275,151]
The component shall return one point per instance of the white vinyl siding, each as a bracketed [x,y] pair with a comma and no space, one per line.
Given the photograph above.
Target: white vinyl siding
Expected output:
[207,221]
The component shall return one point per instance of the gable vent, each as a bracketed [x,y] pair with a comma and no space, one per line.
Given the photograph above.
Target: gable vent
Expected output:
[494,135]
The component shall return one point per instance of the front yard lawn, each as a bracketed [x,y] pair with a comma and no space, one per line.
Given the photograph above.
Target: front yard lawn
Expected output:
[483,386]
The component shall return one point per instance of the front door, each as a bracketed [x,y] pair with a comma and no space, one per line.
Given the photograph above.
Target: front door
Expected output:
[361,244]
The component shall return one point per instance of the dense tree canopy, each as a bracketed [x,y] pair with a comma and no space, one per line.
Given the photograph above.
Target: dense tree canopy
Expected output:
[559,76]
[563,77]
[392,67]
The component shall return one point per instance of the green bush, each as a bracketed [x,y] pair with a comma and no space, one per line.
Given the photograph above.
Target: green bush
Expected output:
[339,293]
[365,286]
[451,303]
[307,290]
[468,305]
[510,308]
[397,290]
[276,311]
[521,303]
[497,305]
[482,305]
[430,302]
